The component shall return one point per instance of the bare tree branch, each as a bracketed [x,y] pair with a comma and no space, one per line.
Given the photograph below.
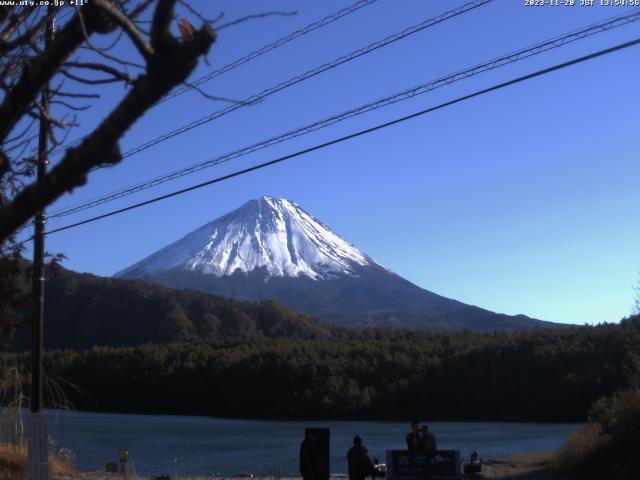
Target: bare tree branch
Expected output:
[14,23]
[114,72]
[44,66]
[52,130]
[27,37]
[60,93]
[21,134]
[217,98]
[253,17]
[5,166]
[113,58]
[199,16]
[160,35]
[129,28]
[57,142]
[170,65]
[75,108]
[27,67]
[115,42]
[91,81]
[22,144]
[141,7]
[5,12]
[53,121]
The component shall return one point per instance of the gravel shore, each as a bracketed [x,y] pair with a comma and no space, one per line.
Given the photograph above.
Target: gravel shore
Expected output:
[533,466]
[521,466]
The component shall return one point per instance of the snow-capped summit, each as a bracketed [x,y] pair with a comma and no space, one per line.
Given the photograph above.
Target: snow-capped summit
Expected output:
[271,249]
[268,233]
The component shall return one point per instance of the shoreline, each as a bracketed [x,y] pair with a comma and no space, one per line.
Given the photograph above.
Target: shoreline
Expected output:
[249,418]
[528,465]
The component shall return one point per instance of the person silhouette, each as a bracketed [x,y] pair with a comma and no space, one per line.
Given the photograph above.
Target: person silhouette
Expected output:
[358,462]
[309,462]
[416,442]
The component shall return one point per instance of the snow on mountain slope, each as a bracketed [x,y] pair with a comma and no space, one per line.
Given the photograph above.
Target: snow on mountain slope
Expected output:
[271,249]
[271,233]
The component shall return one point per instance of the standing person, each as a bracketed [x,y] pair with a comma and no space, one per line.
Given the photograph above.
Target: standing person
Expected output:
[416,442]
[358,461]
[309,463]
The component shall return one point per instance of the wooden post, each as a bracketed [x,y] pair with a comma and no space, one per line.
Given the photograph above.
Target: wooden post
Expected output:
[38,438]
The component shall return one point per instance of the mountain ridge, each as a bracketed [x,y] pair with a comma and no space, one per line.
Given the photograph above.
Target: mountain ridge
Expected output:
[271,248]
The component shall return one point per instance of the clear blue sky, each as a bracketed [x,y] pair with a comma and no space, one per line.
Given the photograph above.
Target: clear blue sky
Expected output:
[522,201]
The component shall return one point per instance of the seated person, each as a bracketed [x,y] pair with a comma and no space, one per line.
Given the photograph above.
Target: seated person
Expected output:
[416,442]
[358,462]
[430,443]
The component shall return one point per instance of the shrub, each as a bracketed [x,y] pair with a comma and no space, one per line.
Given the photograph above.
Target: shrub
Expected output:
[580,455]
[13,463]
[608,446]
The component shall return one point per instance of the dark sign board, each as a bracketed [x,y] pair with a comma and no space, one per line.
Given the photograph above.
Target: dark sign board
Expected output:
[321,443]
[404,466]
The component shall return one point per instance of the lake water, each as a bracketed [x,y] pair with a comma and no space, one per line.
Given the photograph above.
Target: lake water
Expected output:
[201,445]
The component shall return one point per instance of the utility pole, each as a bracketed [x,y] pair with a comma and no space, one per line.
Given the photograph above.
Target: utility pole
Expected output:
[37,435]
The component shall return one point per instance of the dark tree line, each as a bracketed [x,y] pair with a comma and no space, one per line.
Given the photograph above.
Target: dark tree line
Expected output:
[539,375]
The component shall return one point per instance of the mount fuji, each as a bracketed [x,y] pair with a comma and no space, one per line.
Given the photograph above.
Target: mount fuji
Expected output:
[270,248]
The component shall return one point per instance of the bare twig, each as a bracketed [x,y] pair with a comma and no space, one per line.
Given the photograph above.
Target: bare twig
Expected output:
[60,93]
[129,28]
[24,143]
[216,98]
[75,108]
[115,42]
[199,16]
[113,58]
[139,9]
[64,138]
[21,134]
[91,81]
[254,17]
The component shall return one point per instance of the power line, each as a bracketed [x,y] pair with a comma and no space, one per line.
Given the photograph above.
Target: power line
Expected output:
[515,56]
[272,46]
[307,75]
[360,133]
[310,74]
[251,56]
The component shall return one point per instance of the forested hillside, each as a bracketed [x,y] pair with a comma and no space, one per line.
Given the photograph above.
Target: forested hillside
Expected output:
[84,310]
[539,375]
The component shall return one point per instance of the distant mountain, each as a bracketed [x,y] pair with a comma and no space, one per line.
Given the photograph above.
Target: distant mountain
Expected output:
[84,310]
[271,248]
[268,234]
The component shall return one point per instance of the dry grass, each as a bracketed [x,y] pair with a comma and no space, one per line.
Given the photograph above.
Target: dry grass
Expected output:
[13,464]
[583,448]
